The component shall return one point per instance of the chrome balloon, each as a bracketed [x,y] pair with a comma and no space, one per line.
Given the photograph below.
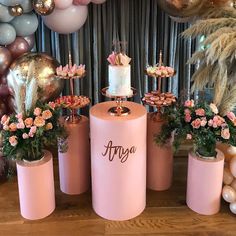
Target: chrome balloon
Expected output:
[35,66]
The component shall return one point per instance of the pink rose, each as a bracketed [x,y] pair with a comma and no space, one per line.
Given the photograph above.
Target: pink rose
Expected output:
[37,111]
[200,112]
[28,122]
[189,103]
[13,141]
[210,122]
[12,127]
[187,111]
[214,108]
[187,118]
[203,122]
[20,125]
[52,105]
[5,120]
[19,116]
[225,134]
[231,115]
[196,123]
[33,129]
[31,135]
[218,121]
[25,136]
[189,136]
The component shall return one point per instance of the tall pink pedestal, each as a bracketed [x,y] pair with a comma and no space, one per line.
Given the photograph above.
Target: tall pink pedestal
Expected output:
[204,184]
[118,159]
[74,165]
[36,188]
[159,158]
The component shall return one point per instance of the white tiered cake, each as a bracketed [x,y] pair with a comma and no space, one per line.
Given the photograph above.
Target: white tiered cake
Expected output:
[119,75]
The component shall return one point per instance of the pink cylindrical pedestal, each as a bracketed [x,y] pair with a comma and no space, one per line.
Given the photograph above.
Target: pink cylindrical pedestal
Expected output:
[204,183]
[36,187]
[159,158]
[118,158]
[74,165]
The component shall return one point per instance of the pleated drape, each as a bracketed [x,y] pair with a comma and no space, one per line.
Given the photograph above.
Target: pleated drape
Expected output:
[145,28]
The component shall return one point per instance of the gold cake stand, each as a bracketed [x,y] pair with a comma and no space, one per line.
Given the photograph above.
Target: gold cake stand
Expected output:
[119,109]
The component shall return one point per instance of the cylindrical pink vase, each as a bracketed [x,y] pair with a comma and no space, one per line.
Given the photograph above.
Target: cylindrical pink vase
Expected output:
[204,183]
[74,165]
[36,187]
[118,160]
[159,158]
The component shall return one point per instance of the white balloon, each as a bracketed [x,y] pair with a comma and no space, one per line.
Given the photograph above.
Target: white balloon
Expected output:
[68,20]
[232,207]
[229,194]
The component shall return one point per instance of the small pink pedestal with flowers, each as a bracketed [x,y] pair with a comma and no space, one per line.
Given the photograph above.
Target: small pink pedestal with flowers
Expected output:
[74,165]
[159,159]
[204,183]
[118,160]
[36,187]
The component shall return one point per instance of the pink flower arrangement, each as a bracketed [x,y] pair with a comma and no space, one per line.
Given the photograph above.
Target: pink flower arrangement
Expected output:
[29,134]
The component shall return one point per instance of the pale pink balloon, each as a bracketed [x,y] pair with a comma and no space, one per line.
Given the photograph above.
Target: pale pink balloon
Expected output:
[66,21]
[81,2]
[18,47]
[63,4]
[98,1]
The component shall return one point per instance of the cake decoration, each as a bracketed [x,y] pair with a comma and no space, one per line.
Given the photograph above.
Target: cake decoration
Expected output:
[118,59]
[71,71]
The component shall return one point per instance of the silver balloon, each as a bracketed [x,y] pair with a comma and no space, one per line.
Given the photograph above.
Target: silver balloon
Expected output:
[25,24]
[181,8]
[5,15]
[11,2]
[34,66]
[7,34]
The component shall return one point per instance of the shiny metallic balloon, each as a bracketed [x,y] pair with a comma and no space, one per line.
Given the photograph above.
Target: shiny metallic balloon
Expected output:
[16,10]
[5,59]
[180,8]
[44,7]
[30,40]
[18,47]
[43,71]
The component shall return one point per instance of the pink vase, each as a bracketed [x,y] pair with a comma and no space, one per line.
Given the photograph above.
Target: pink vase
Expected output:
[36,187]
[74,165]
[159,158]
[204,183]
[118,160]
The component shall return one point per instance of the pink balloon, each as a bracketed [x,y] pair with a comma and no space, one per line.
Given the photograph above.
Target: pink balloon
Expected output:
[66,21]
[81,2]
[18,47]
[63,4]
[98,1]
[30,40]
[5,59]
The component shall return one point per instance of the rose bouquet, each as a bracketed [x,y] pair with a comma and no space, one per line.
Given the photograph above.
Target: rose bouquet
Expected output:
[200,123]
[25,136]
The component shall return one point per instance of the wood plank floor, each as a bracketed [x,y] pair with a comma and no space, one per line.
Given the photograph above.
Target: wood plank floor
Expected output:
[166,214]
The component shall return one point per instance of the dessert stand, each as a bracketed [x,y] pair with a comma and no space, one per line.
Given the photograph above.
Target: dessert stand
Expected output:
[159,159]
[74,165]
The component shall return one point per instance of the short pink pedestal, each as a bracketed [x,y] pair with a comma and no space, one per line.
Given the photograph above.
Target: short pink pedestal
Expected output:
[74,165]
[204,184]
[36,188]
[118,158]
[159,159]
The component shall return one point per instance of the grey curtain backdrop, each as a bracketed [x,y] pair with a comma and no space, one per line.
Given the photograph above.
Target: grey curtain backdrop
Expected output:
[146,29]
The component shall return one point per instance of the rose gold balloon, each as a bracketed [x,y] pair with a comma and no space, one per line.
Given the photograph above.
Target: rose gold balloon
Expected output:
[5,59]
[180,8]
[229,194]
[18,47]
[44,7]
[228,177]
[233,184]
[30,40]
[16,10]
[232,166]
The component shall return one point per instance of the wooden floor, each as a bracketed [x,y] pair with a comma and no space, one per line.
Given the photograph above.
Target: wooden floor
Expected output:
[166,214]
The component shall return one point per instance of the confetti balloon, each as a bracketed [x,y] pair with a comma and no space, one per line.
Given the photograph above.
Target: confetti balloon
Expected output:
[44,7]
